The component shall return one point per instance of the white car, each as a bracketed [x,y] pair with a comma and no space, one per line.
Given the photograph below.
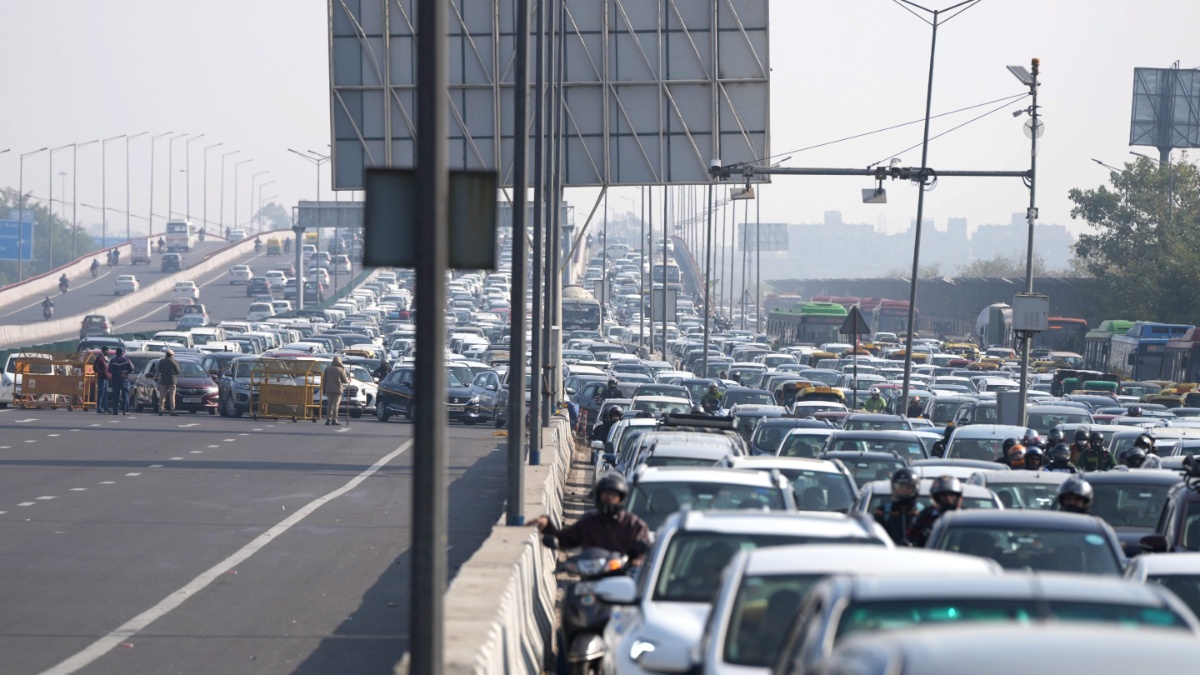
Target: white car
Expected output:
[281,306]
[126,283]
[237,235]
[277,278]
[319,274]
[260,311]
[341,263]
[186,289]
[240,274]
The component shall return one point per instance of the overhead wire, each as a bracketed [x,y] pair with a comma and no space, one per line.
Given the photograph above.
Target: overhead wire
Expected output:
[997,109]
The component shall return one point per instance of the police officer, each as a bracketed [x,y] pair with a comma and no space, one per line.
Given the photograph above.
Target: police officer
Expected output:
[610,526]
[946,493]
[1095,457]
[899,515]
[1033,458]
[875,403]
[1060,460]
[1075,495]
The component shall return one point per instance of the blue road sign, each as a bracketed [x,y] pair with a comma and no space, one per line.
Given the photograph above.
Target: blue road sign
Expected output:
[11,236]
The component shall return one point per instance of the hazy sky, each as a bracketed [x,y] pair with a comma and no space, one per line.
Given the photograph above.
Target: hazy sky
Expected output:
[253,75]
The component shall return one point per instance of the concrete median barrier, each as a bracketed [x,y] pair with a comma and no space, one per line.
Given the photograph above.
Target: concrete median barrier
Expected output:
[28,334]
[500,607]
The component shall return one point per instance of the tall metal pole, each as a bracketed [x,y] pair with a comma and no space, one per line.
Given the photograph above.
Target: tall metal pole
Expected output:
[104,189]
[429,451]
[539,412]
[642,277]
[237,167]
[150,214]
[912,287]
[253,187]
[515,502]
[171,174]
[666,230]
[221,224]
[708,254]
[128,206]
[1031,215]
[649,254]
[50,207]
[604,267]
[554,318]
[75,196]
[187,172]
[758,310]
[745,256]
[21,216]
[205,190]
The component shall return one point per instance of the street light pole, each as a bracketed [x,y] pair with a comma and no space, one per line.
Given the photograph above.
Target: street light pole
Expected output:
[50,207]
[206,149]
[74,195]
[128,207]
[253,184]
[317,160]
[225,156]
[21,214]
[187,172]
[236,170]
[171,173]
[1031,215]
[260,203]
[104,189]
[150,215]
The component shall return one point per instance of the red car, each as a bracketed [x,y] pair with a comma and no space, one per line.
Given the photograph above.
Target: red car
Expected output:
[177,308]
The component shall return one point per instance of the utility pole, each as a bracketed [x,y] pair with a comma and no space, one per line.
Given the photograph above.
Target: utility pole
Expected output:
[150,213]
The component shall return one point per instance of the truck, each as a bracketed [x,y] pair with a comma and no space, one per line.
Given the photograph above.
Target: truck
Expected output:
[139,251]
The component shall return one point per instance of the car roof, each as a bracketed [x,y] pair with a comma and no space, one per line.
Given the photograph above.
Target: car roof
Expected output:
[865,454]
[1139,477]
[897,434]
[1051,586]
[990,431]
[702,474]
[883,487]
[1017,518]
[794,422]
[857,559]
[874,417]
[1010,477]
[813,523]
[760,462]
[1170,563]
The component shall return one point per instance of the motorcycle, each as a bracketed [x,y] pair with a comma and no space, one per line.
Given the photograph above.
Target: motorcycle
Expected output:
[201,235]
[47,312]
[583,614]
[258,247]
[63,286]
[95,269]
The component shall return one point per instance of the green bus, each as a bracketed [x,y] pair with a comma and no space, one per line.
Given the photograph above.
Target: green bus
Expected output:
[812,323]
[1097,343]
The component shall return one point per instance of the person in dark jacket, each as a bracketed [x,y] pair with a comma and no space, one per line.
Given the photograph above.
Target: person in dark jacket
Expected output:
[168,376]
[100,367]
[899,515]
[119,370]
[609,527]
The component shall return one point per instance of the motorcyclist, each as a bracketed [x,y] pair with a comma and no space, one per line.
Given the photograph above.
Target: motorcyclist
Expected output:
[1095,457]
[600,431]
[875,403]
[1079,447]
[1075,496]
[1134,458]
[611,390]
[47,307]
[1004,448]
[610,526]
[899,515]
[257,244]
[161,244]
[1055,437]
[1033,458]
[711,401]
[1144,443]
[64,283]
[1135,411]
[939,448]
[1060,460]
[95,267]
[1015,457]
[946,493]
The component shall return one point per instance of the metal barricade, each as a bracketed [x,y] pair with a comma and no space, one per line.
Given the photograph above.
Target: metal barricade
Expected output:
[54,380]
[286,389]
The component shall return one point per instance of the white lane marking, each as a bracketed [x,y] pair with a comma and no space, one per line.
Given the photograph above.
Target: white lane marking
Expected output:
[74,430]
[196,452]
[97,425]
[214,446]
[138,623]
[155,466]
[133,474]
[3,512]
[31,441]
[243,434]
[78,489]
[51,435]
[46,498]
[258,429]
[5,447]
[230,440]
[343,430]
[31,419]
[176,459]
[26,504]
[108,482]
[183,426]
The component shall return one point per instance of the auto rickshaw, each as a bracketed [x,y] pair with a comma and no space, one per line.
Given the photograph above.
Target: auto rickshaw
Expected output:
[274,247]
[821,393]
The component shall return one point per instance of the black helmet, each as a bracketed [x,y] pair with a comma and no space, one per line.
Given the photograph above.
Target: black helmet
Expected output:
[1096,437]
[1134,457]
[1008,443]
[1033,457]
[616,411]
[1135,411]
[611,482]
[945,485]
[1055,436]
[1078,487]
[1060,453]
[612,381]
[905,485]
[1145,441]
[1081,435]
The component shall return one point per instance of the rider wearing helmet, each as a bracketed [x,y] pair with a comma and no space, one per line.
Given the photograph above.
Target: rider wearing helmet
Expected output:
[899,515]
[1146,442]
[875,403]
[946,493]
[612,390]
[1134,458]
[610,526]
[1075,496]
[1135,411]
[1060,460]
[711,401]
[1095,456]
[600,431]
[939,448]
[1015,457]
[1033,458]
[1054,439]
[1079,446]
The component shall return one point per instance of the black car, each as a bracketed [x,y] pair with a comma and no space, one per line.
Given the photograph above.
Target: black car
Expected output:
[258,286]
[173,262]
[867,466]
[1132,501]
[1178,528]
[398,395]
[769,433]
[904,444]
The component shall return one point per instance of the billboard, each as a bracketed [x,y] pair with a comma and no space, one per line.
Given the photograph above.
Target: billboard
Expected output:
[1166,108]
[653,89]
[329,214]
[765,237]
[13,234]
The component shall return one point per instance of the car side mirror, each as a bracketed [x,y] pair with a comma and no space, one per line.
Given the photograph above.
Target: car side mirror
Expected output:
[597,445]
[570,391]
[1153,543]
[668,657]
[621,590]
[490,387]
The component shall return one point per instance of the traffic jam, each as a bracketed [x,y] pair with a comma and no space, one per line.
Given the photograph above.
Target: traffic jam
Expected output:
[774,503]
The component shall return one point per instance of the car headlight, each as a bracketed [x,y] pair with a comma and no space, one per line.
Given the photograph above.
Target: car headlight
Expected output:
[242,385]
[211,390]
[473,401]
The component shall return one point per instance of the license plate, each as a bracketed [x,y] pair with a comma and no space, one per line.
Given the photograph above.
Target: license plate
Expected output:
[191,400]
[456,408]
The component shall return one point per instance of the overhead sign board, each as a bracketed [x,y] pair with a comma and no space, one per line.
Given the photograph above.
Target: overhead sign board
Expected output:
[311,215]
[1166,108]
[653,89]
[16,236]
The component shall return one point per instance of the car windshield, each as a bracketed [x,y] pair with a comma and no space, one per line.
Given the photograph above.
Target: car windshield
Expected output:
[827,378]
[653,502]
[692,566]
[761,614]
[867,469]
[802,444]
[244,368]
[1186,586]
[1034,496]
[747,397]
[986,449]
[925,501]
[896,424]
[820,490]
[767,437]
[1129,505]
[191,369]
[1044,422]
[909,449]
[943,411]
[659,407]
[1035,549]
[359,373]
[891,615]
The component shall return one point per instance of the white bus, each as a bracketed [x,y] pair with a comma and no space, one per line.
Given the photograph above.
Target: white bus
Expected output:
[181,235]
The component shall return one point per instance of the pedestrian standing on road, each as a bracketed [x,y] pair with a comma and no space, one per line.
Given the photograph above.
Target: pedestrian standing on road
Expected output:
[100,367]
[168,376]
[332,381]
[119,370]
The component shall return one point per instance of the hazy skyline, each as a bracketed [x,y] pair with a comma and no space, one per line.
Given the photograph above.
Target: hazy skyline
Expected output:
[254,77]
